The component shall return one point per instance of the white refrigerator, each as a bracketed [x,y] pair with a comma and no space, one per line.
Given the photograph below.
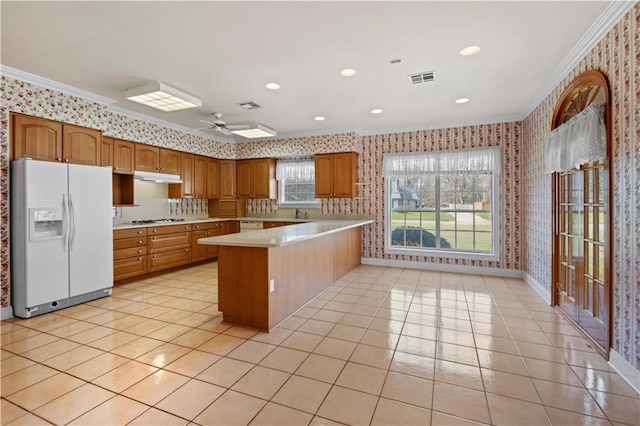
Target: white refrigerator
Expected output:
[61,245]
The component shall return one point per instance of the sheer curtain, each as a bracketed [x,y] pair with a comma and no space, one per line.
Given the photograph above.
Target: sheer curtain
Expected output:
[578,141]
[295,170]
[416,164]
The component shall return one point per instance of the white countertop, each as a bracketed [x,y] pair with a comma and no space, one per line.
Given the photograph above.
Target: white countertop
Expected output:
[127,225]
[284,235]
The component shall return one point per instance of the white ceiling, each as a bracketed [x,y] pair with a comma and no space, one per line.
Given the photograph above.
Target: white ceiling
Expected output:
[225,53]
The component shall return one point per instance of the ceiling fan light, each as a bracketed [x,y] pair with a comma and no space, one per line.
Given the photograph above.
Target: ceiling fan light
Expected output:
[254,130]
[162,96]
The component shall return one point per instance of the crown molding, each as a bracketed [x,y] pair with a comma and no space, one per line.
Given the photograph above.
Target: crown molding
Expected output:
[605,22]
[164,123]
[442,125]
[54,85]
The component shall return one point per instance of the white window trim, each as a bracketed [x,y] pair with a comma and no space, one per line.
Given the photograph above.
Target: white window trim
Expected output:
[450,254]
[294,204]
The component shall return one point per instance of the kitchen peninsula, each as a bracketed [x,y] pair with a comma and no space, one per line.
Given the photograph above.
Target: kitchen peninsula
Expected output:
[266,275]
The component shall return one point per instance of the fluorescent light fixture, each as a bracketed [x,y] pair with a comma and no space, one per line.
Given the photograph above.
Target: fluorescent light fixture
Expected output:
[462,100]
[272,86]
[162,96]
[376,111]
[255,130]
[319,118]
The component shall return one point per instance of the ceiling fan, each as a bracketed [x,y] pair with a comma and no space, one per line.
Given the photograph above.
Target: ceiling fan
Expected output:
[218,125]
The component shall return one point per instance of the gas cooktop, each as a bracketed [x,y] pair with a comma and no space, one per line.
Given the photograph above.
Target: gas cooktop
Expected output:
[150,221]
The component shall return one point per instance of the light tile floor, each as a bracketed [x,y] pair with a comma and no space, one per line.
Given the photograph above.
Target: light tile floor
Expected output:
[382,346]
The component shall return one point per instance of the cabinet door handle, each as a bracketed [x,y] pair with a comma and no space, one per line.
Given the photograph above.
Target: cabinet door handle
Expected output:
[140,259]
[139,251]
[58,159]
[186,234]
[139,241]
[154,238]
[186,249]
[139,232]
[155,255]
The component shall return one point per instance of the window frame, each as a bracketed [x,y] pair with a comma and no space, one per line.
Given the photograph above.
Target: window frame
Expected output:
[295,204]
[496,209]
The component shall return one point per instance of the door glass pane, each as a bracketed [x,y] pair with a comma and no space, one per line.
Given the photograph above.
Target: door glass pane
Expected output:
[588,303]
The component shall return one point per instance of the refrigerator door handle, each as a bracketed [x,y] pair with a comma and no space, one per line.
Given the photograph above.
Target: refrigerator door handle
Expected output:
[72,236]
[65,223]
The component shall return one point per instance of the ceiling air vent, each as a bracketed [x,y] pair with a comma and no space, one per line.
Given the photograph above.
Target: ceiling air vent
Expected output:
[420,78]
[250,105]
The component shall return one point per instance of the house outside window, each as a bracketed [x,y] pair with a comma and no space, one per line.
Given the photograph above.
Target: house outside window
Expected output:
[443,203]
[296,183]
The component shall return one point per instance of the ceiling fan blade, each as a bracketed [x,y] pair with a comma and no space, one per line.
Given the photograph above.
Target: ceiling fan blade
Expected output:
[209,122]
[224,131]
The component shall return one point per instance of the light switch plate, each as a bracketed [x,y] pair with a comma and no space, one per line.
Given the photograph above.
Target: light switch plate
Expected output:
[272,286]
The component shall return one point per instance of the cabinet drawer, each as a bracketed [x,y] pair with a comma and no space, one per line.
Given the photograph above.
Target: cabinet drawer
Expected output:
[130,267]
[119,234]
[129,243]
[129,252]
[158,243]
[169,259]
[170,229]
[208,225]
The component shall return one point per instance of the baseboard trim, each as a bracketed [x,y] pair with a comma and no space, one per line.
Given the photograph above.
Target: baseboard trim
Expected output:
[498,272]
[539,288]
[627,371]
[6,313]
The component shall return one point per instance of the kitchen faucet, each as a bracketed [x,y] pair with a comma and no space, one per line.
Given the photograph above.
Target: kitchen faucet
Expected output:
[297,214]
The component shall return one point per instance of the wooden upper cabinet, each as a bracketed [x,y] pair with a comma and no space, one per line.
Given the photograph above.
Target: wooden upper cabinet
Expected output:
[244,178]
[106,152]
[37,138]
[324,175]
[170,161]
[200,176]
[48,140]
[184,189]
[147,158]
[81,145]
[256,178]
[336,174]
[227,179]
[213,178]
[123,157]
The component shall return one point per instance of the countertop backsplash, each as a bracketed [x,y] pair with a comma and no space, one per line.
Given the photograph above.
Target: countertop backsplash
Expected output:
[152,202]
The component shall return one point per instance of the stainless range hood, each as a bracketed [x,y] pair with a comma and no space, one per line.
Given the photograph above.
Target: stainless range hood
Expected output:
[156,177]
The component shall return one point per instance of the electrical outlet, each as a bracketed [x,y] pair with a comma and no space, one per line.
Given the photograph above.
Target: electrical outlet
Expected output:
[272,286]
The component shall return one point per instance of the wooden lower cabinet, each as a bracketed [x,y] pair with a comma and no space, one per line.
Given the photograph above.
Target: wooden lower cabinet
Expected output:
[201,252]
[129,253]
[169,259]
[129,267]
[268,224]
[138,251]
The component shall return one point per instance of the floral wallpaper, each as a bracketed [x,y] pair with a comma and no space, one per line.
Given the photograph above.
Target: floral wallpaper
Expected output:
[617,56]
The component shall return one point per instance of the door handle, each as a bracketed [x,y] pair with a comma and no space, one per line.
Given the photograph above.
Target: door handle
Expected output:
[72,237]
[65,223]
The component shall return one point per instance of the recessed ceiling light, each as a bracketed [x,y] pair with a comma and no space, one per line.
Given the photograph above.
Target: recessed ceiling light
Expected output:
[462,100]
[272,86]
[348,72]
[319,118]
[470,50]
[376,111]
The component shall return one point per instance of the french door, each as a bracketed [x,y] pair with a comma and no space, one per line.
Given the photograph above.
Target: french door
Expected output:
[581,270]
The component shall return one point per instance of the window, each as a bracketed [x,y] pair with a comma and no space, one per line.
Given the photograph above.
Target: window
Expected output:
[297,186]
[443,203]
